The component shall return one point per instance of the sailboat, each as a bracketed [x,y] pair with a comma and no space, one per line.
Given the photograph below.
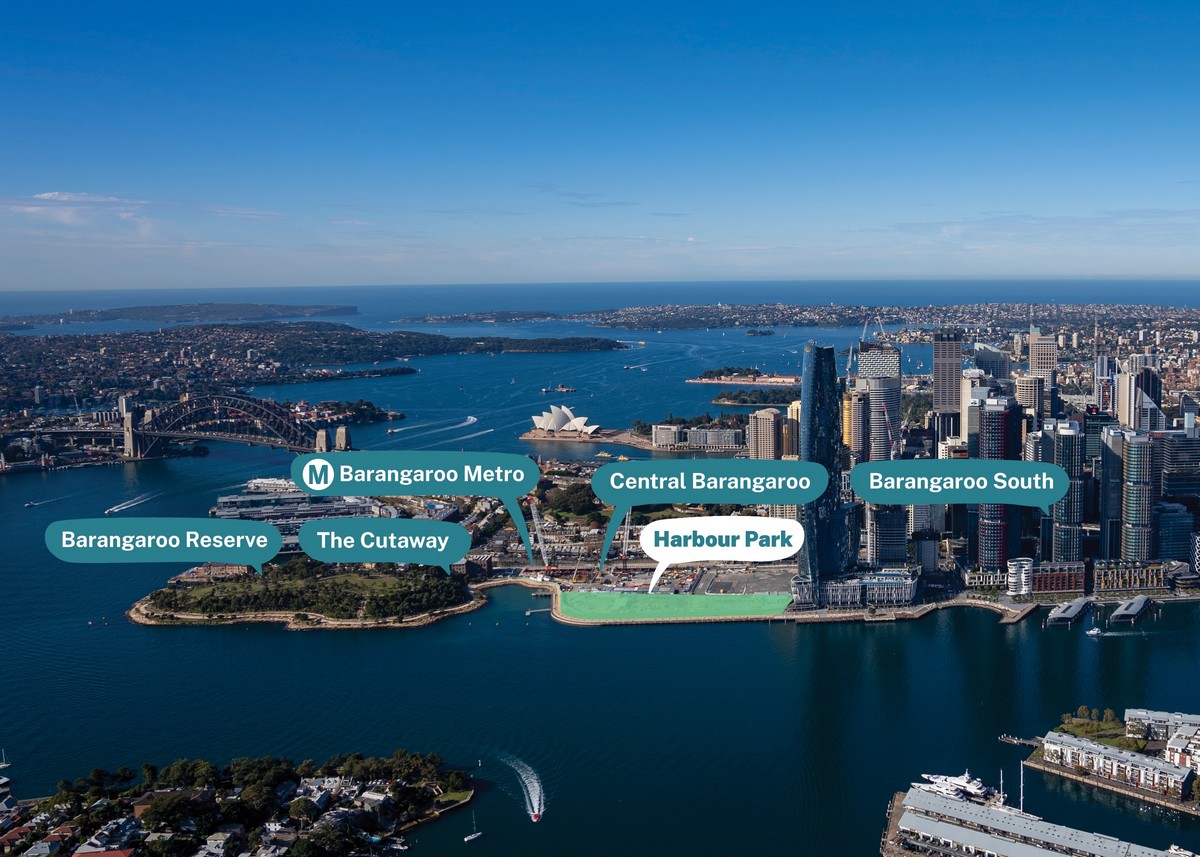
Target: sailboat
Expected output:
[474,827]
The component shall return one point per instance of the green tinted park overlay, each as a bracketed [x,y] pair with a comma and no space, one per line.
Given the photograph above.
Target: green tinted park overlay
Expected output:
[640,606]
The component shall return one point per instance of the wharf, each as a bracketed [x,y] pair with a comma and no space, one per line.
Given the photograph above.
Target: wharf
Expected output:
[1130,611]
[1066,614]
[1189,808]
[1019,742]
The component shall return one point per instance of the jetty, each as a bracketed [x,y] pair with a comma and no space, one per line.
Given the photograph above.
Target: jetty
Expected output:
[1067,614]
[1130,611]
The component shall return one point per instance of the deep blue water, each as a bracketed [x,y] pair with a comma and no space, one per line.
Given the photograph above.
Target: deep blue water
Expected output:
[707,740]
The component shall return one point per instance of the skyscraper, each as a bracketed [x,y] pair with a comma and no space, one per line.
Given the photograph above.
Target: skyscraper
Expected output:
[1067,513]
[885,398]
[1136,497]
[791,429]
[764,434]
[1043,356]
[826,538]
[1172,531]
[856,425]
[1111,475]
[947,370]
[887,534]
[992,361]
[1029,396]
[879,377]
[999,439]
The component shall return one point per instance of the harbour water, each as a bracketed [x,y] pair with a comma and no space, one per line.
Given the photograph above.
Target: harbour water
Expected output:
[708,740]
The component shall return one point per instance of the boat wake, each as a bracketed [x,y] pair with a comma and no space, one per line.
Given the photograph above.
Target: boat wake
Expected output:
[531,786]
[464,437]
[47,502]
[136,501]
[469,421]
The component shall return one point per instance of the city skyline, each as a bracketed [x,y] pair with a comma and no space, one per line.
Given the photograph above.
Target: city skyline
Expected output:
[475,145]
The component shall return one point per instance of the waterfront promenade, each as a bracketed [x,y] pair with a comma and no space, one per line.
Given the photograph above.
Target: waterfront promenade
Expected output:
[1088,778]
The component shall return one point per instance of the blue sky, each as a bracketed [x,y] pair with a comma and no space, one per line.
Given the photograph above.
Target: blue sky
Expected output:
[159,145]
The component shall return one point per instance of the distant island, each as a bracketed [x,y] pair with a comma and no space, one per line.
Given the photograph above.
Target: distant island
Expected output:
[773,396]
[180,313]
[744,377]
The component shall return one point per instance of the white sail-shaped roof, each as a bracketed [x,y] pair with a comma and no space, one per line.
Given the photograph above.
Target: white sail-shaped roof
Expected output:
[562,419]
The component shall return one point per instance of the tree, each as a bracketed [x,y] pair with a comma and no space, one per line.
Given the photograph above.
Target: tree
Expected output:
[1110,716]
[306,769]
[1083,712]
[303,810]
[149,775]
[169,809]
[1066,718]
[204,773]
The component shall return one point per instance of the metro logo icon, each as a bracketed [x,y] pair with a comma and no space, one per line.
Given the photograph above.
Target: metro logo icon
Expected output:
[317,474]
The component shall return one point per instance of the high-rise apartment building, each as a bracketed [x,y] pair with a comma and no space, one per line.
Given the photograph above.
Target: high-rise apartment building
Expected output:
[947,371]
[1137,535]
[826,545]
[764,434]
[999,439]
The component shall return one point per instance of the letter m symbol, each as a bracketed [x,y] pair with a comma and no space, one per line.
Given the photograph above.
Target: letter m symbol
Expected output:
[318,474]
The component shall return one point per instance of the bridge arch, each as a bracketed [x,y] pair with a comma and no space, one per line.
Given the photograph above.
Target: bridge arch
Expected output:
[233,417]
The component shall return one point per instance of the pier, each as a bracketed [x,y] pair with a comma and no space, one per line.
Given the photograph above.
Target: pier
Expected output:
[1021,742]
[1130,611]
[1066,614]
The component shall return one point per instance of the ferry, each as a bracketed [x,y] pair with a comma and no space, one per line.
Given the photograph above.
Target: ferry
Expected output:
[604,455]
[561,388]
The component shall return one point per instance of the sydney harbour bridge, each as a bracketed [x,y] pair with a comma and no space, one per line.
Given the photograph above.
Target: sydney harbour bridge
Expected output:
[237,418]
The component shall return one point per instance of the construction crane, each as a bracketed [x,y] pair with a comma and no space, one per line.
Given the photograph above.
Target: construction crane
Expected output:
[537,527]
[625,542]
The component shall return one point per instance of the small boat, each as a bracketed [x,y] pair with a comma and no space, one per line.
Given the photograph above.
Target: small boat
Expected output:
[1094,632]
[3,760]
[30,504]
[537,816]
[477,832]
[622,458]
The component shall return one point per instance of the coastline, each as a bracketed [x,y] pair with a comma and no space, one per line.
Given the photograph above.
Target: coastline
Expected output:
[142,614]
[751,380]
[624,437]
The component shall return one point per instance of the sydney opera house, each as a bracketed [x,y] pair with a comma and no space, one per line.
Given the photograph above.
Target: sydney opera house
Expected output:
[562,421]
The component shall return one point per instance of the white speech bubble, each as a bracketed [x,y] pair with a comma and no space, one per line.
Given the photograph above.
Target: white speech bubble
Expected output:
[725,537]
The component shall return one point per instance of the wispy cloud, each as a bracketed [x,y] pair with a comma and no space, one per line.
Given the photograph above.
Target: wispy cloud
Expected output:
[1133,227]
[581,199]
